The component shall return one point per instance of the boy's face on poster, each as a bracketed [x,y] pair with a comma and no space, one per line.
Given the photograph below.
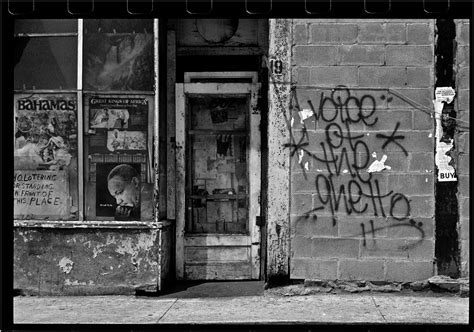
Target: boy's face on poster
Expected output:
[126,193]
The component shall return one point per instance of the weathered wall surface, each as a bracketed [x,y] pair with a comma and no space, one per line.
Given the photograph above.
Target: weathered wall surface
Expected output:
[362,180]
[86,261]
[462,137]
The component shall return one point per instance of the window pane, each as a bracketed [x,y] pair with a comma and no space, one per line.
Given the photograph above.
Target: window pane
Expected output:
[45,26]
[45,63]
[217,165]
[45,157]
[118,55]
[119,183]
[118,26]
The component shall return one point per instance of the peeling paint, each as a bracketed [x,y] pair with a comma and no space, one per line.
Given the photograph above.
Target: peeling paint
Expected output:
[292,122]
[68,282]
[306,166]
[378,165]
[65,264]
[25,239]
[300,156]
[305,114]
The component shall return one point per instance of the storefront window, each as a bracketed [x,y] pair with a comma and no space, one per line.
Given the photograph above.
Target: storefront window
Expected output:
[45,26]
[45,156]
[113,120]
[118,55]
[45,63]
[119,182]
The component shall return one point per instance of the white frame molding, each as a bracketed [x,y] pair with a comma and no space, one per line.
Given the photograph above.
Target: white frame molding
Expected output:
[251,89]
[189,76]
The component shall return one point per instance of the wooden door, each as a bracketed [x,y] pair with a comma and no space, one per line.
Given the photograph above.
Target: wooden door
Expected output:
[217,181]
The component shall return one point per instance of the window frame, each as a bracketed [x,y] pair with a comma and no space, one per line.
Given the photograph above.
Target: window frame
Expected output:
[153,132]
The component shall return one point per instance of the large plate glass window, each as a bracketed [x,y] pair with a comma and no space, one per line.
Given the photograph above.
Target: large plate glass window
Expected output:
[84,124]
[45,120]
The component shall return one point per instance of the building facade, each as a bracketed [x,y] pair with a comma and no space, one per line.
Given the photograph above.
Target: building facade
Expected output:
[152,151]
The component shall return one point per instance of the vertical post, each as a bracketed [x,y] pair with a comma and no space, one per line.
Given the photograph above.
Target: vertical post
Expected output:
[255,179]
[278,209]
[171,127]
[180,178]
[80,119]
[156,136]
[446,206]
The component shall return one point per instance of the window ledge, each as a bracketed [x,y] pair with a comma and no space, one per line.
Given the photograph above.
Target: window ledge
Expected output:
[92,224]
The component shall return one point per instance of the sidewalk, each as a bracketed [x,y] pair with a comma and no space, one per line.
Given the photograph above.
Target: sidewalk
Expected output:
[262,309]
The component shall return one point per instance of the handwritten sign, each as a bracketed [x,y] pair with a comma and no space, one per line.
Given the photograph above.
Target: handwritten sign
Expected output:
[40,193]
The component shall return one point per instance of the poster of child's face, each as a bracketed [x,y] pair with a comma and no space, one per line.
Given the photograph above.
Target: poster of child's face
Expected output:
[109,118]
[118,191]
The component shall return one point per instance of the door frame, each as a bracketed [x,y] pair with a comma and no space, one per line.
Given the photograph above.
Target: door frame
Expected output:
[254,166]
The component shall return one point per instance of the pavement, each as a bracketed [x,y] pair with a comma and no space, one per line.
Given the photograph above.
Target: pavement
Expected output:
[266,308]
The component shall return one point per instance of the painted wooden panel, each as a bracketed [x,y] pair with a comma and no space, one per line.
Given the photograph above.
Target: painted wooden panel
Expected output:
[226,271]
[217,240]
[223,254]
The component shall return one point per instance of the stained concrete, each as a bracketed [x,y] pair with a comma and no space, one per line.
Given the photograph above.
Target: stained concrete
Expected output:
[196,289]
[265,309]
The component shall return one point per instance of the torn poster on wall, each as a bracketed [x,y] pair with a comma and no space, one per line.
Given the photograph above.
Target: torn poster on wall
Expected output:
[443,159]
[40,193]
[117,124]
[118,112]
[45,131]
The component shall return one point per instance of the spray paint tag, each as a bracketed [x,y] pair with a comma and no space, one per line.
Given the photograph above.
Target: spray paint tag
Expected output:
[445,94]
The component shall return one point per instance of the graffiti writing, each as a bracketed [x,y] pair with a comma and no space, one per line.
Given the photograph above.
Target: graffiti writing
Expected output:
[345,180]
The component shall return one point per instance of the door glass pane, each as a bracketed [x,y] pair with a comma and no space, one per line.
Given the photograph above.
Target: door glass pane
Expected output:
[45,157]
[118,55]
[45,26]
[45,63]
[217,177]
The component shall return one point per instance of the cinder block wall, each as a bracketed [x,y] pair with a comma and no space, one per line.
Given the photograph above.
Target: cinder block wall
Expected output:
[347,223]
[462,137]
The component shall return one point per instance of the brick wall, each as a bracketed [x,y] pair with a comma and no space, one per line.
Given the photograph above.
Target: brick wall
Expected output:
[348,223]
[462,137]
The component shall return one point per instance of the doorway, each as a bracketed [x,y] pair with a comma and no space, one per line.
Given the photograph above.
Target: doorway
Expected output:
[218,165]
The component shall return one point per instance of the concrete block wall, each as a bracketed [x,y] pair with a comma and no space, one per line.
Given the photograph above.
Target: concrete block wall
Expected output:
[348,223]
[462,137]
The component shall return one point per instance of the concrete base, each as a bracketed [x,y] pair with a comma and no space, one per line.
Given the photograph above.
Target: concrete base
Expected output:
[75,261]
